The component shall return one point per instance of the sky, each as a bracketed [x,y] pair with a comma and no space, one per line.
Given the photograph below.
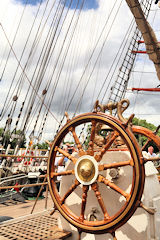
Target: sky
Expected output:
[32,2]
[91,23]
[90,4]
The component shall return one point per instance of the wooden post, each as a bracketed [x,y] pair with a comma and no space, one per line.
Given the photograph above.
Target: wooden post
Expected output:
[46,197]
[40,190]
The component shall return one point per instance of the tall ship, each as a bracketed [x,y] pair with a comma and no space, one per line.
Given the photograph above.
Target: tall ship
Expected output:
[78,78]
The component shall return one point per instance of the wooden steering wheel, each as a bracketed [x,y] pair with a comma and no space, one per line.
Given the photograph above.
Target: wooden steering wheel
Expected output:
[88,171]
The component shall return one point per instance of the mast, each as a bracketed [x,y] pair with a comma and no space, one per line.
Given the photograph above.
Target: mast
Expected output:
[150,40]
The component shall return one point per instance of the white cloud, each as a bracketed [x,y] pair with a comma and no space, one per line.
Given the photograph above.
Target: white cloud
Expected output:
[90,25]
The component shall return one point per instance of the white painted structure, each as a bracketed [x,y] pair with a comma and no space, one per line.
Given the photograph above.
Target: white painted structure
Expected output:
[141,225]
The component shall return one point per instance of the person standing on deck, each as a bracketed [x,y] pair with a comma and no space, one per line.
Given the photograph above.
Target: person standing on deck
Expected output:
[60,164]
[151,152]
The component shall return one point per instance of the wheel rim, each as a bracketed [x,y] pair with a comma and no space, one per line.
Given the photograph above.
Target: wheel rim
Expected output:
[87,177]
[151,137]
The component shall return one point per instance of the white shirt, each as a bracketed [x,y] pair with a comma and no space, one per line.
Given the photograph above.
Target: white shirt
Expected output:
[151,155]
[59,168]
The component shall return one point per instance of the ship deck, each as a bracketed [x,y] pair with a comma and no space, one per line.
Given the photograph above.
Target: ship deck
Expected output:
[40,225]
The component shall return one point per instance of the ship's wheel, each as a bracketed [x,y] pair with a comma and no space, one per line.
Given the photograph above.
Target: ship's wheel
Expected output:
[88,171]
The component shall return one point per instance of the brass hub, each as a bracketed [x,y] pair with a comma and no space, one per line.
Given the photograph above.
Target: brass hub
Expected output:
[86,169]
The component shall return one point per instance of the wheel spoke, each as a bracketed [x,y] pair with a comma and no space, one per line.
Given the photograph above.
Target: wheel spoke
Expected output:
[84,200]
[102,179]
[100,200]
[148,141]
[70,190]
[115,165]
[79,146]
[91,143]
[65,173]
[66,154]
[99,156]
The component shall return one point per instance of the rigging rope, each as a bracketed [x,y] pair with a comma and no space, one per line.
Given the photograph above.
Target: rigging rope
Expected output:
[67,48]
[80,99]
[25,73]
[141,75]
[21,79]
[122,46]
[40,73]
[67,12]
[53,89]
[21,82]
[9,56]
[36,40]
[120,85]
[90,58]
[38,81]
[49,82]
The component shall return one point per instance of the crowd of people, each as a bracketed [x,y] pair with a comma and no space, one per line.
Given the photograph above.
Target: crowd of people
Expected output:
[60,161]
[23,165]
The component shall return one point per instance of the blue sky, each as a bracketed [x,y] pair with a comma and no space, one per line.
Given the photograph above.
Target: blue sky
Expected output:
[89,4]
[32,2]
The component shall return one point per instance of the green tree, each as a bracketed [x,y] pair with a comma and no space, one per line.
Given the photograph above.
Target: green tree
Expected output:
[16,138]
[87,138]
[142,139]
[144,123]
[42,145]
